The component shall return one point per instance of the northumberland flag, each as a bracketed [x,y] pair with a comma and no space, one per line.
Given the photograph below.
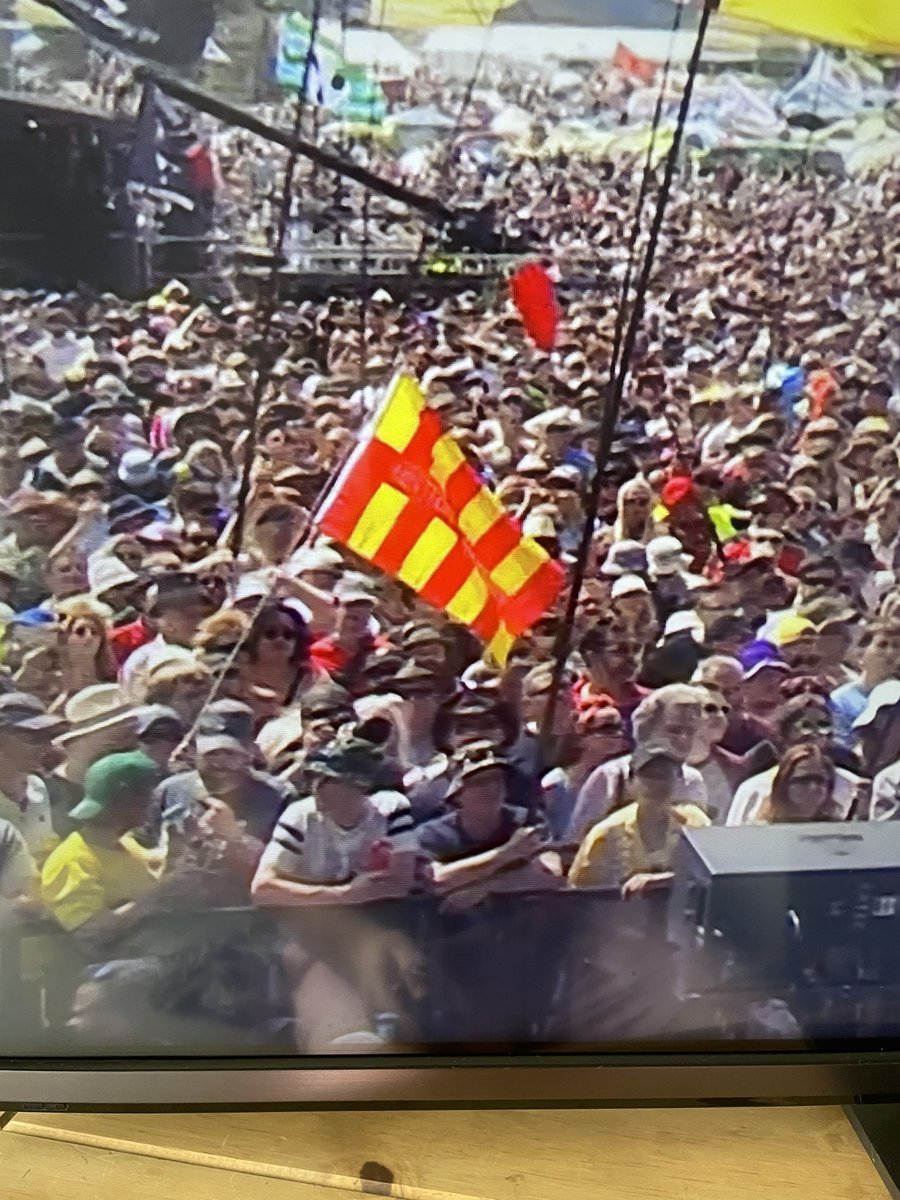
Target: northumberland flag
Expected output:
[870,25]
[409,503]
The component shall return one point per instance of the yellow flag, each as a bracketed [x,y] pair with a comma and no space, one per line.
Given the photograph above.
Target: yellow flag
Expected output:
[428,14]
[869,25]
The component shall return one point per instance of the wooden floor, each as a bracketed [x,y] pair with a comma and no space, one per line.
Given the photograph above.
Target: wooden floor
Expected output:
[664,1154]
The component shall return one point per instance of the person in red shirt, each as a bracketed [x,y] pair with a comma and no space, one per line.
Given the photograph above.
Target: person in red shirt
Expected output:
[343,654]
[128,638]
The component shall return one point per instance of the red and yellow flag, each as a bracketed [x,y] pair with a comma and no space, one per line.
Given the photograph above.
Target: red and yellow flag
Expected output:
[409,503]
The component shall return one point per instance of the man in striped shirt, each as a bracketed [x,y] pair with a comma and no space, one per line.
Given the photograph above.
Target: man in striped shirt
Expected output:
[335,853]
[344,844]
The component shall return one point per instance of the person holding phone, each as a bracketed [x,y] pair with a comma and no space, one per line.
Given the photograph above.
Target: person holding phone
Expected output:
[486,845]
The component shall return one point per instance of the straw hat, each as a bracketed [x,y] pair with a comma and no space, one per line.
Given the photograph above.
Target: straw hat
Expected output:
[94,709]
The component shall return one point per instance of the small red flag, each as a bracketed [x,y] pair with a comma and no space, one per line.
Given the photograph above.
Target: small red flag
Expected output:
[633,65]
[534,295]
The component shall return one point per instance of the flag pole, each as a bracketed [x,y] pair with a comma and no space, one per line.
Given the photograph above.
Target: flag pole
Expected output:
[563,645]
[265,355]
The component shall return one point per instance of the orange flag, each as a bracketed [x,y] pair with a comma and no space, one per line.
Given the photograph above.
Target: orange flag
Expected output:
[409,503]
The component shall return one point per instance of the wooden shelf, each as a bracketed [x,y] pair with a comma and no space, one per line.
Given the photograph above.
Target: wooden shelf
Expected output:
[642,1154]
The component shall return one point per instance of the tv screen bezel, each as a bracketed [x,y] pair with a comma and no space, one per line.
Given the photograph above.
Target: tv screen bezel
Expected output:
[512,1080]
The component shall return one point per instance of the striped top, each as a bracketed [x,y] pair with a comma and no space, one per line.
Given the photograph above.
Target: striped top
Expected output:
[309,847]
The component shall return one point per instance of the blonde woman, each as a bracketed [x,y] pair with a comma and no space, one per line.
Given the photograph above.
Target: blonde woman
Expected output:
[84,652]
[634,512]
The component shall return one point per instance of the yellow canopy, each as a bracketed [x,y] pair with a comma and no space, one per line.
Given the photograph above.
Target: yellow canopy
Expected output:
[40,15]
[870,25]
[427,14]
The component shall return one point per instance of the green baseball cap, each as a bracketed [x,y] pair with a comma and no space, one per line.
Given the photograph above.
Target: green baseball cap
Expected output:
[112,779]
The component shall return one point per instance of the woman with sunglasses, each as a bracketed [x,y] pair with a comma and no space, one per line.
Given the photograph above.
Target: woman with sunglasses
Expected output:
[278,653]
[85,654]
[722,772]
[634,512]
[802,790]
[804,720]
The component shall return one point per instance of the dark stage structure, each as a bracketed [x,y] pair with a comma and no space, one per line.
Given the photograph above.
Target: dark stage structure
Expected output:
[59,226]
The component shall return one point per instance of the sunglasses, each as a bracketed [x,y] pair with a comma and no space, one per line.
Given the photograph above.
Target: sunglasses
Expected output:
[280,635]
[810,780]
[815,726]
[712,710]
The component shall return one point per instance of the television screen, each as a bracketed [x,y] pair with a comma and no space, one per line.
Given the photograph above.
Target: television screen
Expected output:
[450,507]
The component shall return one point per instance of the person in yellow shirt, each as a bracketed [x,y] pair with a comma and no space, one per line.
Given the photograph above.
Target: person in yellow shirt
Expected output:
[99,871]
[633,847]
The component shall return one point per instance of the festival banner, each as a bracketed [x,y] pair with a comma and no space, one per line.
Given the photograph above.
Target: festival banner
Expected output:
[348,91]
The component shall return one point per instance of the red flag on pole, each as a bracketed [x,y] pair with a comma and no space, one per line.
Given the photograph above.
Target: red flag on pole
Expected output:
[633,65]
[534,295]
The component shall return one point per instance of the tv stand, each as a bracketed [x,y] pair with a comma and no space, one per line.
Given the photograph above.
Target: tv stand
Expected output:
[878,1128]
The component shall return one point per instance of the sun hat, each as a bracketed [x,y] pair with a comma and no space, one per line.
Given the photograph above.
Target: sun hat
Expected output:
[137,468]
[685,621]
[759,656]
[883,695]
[791,628]
[127,509]
[350,591]
[350,759]
[539,524]
[115,778]
[642,755]
[627,557]
[628,585]
[159,721]
[106,571]
[666,556]
[94,709]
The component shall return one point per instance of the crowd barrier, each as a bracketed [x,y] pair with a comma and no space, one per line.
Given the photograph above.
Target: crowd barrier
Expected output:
[505,970]
[557,968]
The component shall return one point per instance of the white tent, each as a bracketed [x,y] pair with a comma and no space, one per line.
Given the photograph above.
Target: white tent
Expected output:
[458,48]
[375,48]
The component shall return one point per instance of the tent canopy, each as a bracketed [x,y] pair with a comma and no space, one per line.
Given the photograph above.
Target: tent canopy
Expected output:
[870,25]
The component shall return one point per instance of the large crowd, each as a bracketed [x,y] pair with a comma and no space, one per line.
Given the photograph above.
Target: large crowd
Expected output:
[247,799]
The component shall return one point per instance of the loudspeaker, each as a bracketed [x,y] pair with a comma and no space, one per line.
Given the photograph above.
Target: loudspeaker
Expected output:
[787,906]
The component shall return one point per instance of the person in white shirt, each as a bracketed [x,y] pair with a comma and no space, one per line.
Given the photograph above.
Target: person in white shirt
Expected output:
[336,852]
[804,719]
[878,730]
[60,350]
[25,728]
